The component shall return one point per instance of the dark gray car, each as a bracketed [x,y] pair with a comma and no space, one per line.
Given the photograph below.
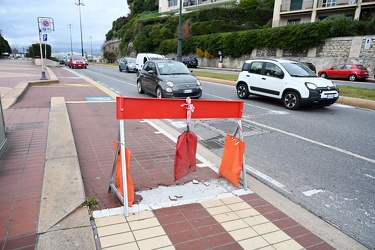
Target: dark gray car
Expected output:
[168,79]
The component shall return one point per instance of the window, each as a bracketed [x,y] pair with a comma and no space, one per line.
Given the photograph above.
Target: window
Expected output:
[150,66]
[328,3]
[172,3]
[270,69]
[256,67]
[246,67]
[294,21]
[340,66]
[295,4]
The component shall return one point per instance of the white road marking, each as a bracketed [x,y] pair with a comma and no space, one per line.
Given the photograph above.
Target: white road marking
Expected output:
[314,142]
[312,192]
[266,177]
[369,176]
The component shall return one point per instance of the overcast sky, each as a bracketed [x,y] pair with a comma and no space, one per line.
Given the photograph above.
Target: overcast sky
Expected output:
[19,25]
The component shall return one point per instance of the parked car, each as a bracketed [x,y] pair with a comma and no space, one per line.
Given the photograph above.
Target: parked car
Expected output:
[351,71]
[128,64]
[66,60]
[168,79]
[77,62]
[310,65]
[190,62]
[288,81]
[61,59]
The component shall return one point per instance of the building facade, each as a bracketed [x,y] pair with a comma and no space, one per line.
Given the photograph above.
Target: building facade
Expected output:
[288,12]
[172,6]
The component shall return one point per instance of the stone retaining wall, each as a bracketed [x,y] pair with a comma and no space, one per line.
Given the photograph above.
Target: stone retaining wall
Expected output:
[332,51]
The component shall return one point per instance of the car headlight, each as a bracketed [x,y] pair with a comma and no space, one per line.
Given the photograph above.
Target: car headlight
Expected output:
[170,84]
[310,85]
[198,83]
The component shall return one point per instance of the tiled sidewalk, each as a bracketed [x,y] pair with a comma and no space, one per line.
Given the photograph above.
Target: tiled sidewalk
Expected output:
[21,176]
[238,222]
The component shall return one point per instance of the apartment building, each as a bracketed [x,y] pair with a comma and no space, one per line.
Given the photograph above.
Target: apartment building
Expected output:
[288,12]
[171,6]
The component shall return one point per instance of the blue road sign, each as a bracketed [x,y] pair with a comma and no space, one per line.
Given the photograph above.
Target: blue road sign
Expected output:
[44,37]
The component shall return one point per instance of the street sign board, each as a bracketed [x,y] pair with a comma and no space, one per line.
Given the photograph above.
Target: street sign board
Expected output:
[44,37]
[368,43]
[45,24]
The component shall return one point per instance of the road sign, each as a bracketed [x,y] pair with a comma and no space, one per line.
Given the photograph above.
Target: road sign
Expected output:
[44,37]
[368,43]
[45,24]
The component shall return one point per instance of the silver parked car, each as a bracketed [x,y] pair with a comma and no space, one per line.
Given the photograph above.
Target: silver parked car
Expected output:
[127,64]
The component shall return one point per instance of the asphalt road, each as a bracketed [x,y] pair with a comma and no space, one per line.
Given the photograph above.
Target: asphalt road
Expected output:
[321,158]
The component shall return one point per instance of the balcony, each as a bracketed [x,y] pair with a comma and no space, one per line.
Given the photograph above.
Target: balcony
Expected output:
[333,3]
[287,6]
[201,3]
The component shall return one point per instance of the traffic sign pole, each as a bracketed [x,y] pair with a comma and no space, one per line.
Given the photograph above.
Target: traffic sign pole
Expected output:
[45,24]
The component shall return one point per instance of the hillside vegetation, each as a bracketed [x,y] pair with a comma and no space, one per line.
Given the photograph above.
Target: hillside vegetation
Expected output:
[235,30]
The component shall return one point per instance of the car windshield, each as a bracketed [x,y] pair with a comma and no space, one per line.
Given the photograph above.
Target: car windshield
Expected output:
[298,70]
[77,58]
[131,60]
[172,68]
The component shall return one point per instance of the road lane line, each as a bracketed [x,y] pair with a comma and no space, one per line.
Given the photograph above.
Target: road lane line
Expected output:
[313,141]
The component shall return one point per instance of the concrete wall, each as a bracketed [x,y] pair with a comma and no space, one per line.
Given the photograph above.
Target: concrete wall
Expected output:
[332,51]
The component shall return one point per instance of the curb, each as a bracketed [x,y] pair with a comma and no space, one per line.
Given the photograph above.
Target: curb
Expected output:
[351,101]
[17,92]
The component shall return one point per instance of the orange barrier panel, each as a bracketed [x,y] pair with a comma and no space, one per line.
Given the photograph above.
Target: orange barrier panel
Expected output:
[118,178]
[154,108]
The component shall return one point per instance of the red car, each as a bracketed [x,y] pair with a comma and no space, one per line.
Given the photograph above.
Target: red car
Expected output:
[350,71]
[77,62]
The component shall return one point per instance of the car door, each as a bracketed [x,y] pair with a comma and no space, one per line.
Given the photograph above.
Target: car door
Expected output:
[336,71]
[270,81]
[149,79]
[346,71]
[266,82]
[253,77]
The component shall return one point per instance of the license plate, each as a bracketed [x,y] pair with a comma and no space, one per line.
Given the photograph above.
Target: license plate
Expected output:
[188,91]
[330,96]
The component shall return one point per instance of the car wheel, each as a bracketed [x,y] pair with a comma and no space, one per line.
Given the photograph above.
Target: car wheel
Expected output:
[159,93]
[139,88]
[323,74]
[242,91]
[352,78]
[127,69]
[291,100]
[119,68]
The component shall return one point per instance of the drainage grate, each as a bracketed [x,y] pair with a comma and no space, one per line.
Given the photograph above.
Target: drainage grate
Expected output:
[29,125]
[213,143]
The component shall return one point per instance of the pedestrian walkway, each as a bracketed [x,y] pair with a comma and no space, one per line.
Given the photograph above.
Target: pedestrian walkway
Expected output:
[231,219]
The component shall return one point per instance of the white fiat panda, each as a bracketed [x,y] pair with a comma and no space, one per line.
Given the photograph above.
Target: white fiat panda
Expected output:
[289,81]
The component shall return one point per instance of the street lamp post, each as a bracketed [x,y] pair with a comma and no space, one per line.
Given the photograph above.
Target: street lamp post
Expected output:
[179,41]
[71,44]
[79,3]
[91,44]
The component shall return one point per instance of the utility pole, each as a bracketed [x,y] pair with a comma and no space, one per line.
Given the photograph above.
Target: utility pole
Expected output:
[91,44]
[79,3]
[71,44]
[179,41]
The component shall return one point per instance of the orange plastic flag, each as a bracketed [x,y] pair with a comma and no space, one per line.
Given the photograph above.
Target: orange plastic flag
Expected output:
[231,162]
[118,178]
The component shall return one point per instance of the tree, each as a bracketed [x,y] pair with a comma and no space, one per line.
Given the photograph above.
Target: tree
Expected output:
[110,56]
[4,46]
